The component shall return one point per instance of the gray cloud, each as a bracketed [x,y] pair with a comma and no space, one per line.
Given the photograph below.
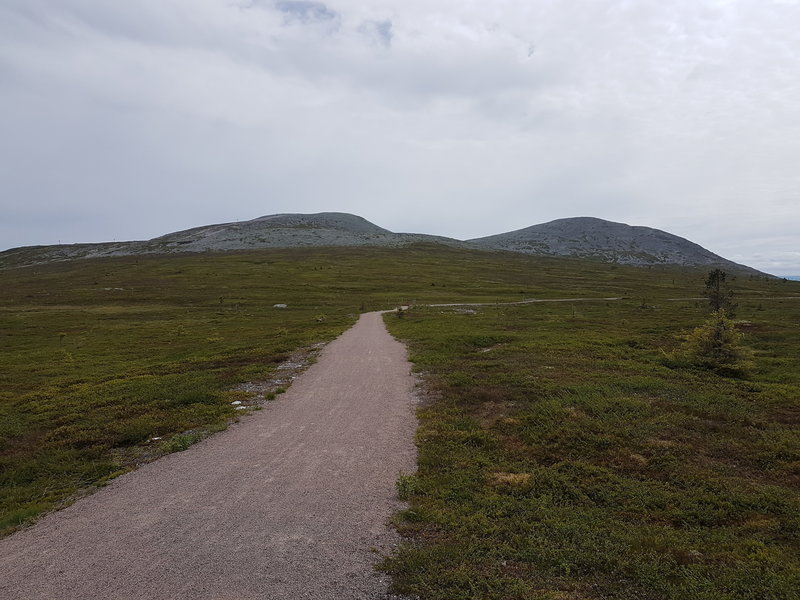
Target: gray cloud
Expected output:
[306,12]
[379,32]
[128,120]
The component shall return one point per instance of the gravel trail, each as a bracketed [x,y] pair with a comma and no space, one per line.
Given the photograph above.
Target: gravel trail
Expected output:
[290,503]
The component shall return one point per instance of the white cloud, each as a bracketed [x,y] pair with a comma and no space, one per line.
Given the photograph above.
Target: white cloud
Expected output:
[447,117]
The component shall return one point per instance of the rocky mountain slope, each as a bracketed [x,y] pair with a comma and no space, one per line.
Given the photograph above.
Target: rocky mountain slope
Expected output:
[581,237]
[589,237]
[272,231]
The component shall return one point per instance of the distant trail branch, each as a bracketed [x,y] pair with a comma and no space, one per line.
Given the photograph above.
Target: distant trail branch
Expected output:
[540,300]
[530,301]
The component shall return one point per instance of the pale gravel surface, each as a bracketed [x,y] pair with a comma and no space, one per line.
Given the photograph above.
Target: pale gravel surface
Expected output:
[286,504]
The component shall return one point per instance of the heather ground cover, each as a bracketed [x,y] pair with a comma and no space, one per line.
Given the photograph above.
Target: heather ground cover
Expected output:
[101,356]
[565,449]
[566,453]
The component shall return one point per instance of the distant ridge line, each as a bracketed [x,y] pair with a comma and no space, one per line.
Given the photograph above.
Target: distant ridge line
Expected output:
[577,237]
[590,237]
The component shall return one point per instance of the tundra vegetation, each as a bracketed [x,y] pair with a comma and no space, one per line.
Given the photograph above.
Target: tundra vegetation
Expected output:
[564,450]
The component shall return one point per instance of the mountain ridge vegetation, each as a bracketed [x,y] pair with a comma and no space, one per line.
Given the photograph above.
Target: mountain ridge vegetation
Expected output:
[577,237]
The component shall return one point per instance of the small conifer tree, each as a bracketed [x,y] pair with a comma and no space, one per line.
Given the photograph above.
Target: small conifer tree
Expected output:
[717,345]
[720,296]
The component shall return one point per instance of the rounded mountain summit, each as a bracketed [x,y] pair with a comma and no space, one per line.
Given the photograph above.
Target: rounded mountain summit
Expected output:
[589,237]
[578,237]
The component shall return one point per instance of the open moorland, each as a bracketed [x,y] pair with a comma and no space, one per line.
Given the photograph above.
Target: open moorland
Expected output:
[566,450]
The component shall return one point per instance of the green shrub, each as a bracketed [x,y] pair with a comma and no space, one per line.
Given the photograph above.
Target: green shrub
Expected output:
[717,345]
[182,442]
[407,485]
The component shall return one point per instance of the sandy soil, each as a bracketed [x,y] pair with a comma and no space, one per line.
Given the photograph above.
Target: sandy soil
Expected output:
[289,503]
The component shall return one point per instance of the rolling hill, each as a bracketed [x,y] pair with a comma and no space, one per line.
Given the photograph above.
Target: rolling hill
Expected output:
[589,237]
[271,231]
[580,237]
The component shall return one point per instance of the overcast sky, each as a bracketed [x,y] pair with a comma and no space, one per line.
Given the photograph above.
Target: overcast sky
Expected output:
[128,120]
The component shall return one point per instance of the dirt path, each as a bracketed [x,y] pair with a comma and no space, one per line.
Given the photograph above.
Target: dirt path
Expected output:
[530,301]
[540,300]
[286,504]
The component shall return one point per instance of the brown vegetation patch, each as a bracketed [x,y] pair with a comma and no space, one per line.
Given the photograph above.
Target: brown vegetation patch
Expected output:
[575,413]
[491,412]
[509,479]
